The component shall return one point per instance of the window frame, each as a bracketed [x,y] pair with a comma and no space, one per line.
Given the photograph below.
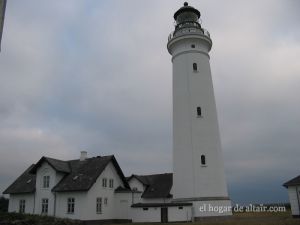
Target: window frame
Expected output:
[199,111]
[46,181]
[104,182]
[105,201]
[22,205]
[195,67]
[45,206]
[203,160]
[71,205]
[99,205]
[111,183]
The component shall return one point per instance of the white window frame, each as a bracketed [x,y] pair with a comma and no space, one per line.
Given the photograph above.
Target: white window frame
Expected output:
[99,205]
[71,205]
[104,182]
[111,183]
[46,181]
[22,205]
[45,206]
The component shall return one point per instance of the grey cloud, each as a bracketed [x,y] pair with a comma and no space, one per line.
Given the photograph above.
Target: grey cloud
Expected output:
[97,76]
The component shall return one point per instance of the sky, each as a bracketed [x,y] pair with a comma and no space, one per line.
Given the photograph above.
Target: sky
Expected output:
[96,76]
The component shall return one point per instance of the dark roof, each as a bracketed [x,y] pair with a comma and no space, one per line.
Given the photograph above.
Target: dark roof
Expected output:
[293,182]
[186,8]
[58,165]
[81,176]
[85,173]
[23,184]
[122,190]
[140,205]
[157,185]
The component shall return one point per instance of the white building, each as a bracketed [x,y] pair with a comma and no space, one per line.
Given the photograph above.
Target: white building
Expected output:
[197,158]
[95,189]
[293,187]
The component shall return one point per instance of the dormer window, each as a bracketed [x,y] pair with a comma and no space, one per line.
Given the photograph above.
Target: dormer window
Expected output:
[46,181]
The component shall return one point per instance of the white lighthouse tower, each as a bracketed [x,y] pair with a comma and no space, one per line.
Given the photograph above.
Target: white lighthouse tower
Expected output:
[197,158]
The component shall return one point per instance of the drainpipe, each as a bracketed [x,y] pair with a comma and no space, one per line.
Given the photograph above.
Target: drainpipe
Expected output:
[33,202]
[54,210]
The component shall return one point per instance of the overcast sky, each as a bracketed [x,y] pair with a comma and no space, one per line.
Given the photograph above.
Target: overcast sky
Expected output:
[96,75]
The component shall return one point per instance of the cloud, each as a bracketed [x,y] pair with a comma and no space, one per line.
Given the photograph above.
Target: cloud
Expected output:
[97,76]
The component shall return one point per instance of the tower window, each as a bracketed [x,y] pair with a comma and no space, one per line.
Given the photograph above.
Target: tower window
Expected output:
[199,113]
[203,160]
[192,46]
[195,67]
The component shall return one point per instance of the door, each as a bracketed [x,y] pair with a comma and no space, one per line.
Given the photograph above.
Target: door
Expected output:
[164,215]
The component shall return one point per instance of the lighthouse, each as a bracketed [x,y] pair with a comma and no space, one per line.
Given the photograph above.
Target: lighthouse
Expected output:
[198,168]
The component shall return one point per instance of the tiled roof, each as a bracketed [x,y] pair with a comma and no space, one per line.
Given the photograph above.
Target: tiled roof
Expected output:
[58,165]
[23,184]
[293,182]
[157,185]
[79,175]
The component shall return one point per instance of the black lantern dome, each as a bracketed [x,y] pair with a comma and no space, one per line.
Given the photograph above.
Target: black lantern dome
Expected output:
[186,14]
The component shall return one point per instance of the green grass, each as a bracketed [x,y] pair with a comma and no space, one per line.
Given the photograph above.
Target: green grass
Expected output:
[25,219]
[262,218]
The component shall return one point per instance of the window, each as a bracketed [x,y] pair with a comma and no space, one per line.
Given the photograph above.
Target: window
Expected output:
[199,111]
[203,160]
[105,201]
[192,46]
[111,183]
[71,205]
[99,205]
[44,205]
[145,209]
[46,181]
[195,67]
[104,182]
[180,207]
[22,206]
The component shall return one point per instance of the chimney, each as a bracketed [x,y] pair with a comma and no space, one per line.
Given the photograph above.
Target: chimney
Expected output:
[83,155]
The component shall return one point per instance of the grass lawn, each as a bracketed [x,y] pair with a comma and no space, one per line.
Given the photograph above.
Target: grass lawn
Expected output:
[262,218]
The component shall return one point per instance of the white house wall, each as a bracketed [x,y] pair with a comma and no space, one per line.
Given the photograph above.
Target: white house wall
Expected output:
[135,183]
[45,170]
[294,199]
[123,201]
[175,214]
[85,202]
[153,214]
[80,205]
[141,215]
[14,202]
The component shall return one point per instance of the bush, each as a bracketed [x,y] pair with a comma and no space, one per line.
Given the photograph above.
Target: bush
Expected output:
[3,204]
